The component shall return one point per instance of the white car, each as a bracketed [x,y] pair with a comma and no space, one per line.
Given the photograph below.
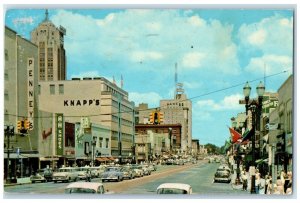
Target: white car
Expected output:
[66,174]
[174,188]
[85,188]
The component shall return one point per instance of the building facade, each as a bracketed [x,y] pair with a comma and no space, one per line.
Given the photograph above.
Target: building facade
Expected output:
[104,104]
[20,101]
[51,53]
[179,111]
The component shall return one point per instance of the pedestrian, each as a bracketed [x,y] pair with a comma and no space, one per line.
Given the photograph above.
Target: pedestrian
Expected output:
[262,185]
[245,180]
[257,182]
[269,188]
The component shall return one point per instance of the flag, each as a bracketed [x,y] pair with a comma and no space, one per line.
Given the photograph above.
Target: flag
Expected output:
[247,134]
[235,136]
[227,145]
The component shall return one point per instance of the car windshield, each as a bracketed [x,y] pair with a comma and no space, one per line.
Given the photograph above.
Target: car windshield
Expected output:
[80,190]
[171,191]
[111,169]
[221,174]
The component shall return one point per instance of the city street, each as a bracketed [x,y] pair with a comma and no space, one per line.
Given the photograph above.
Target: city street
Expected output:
[199,176]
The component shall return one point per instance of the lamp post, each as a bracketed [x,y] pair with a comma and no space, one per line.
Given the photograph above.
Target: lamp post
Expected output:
[255,108]
[8,131]
[170,136]
[237,156]
[93,153]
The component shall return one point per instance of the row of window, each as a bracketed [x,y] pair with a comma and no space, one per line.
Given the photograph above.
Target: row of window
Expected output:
[174,104]
[101,144]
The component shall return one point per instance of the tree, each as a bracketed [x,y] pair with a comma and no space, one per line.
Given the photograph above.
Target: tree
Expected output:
[212,149]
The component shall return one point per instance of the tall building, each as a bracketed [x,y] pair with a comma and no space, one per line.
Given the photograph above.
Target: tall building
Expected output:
[179,110]
[20,100]
[51,52]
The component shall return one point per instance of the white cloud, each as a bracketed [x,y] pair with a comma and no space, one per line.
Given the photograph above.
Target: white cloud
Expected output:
[228,103]
[86,74]
[192,85]
[273,35]
[132,35]
[257,38]
[193,60]
[151,98]
[272,64]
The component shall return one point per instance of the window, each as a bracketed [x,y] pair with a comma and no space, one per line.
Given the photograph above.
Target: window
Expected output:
[6,55]
[100,142]
[39,89]
[52,89]
[61,89]
[107,141]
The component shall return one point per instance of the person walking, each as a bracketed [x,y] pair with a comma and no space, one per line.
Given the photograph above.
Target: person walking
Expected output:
[244,180]
[261,189]
[257,183]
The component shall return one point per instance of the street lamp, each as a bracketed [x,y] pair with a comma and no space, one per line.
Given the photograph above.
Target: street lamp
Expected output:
[8,131]
[170,136]
[237,156]
[94,146]
[255,113]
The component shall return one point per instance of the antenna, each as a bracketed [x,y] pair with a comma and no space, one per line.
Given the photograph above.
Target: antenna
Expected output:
[46,15]
[176,80]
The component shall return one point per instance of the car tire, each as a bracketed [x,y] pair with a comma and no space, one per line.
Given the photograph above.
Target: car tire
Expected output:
[55,181]
[32,182]
[118,179]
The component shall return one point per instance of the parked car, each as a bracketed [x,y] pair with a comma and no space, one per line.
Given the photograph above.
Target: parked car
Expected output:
[97,171]
[38,176]
[174,188]
[85,188]
[146,170]
[152,167]
[66,174]
[112,173]
[128,172]
[222,176]
[138,170]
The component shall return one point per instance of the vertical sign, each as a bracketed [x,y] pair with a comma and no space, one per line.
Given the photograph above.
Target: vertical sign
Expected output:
[59,134]
[30,89]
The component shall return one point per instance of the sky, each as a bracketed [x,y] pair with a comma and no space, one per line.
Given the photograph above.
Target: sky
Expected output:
[216,51]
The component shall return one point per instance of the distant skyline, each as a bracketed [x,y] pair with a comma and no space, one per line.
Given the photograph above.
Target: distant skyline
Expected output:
[217,51]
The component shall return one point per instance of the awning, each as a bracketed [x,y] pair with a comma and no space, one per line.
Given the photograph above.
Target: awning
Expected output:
[49,158]
[101,159]
[21,156]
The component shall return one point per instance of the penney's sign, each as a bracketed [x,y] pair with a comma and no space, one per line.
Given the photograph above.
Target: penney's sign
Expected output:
[30,88]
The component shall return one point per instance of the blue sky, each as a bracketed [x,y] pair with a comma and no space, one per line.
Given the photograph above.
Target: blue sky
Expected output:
[214,48]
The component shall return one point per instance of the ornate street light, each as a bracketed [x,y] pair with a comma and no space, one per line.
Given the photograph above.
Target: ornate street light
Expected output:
[255,113]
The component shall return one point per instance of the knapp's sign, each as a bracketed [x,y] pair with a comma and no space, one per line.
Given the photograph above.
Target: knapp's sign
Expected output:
[82,102]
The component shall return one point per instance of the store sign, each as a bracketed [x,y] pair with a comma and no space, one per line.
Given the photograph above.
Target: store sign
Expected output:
[83,102]
[59,134]
[30,89]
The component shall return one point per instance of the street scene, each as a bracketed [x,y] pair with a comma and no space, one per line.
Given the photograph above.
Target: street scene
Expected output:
[150,102]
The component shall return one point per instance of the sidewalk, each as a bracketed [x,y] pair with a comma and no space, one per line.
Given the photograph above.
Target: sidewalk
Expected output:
[20,181]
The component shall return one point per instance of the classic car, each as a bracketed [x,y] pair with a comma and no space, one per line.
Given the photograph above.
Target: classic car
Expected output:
[66,174]
[138,170]
[222,176]
[128,172]
[112,173]
[42,175]
[85,188]
[174,188]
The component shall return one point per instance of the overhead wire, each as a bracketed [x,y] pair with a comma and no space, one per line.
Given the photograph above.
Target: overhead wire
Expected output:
[157,108]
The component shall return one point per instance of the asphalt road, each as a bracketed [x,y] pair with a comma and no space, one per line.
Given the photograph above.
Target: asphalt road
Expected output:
[199,176]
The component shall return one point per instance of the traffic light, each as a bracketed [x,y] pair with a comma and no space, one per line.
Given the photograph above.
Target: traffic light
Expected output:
[156,121]
[27,124]
[151,118]
[160,117]
[19,125]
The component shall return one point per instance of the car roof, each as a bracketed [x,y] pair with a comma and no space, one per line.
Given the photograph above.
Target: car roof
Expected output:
[86,185]
[175,186]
